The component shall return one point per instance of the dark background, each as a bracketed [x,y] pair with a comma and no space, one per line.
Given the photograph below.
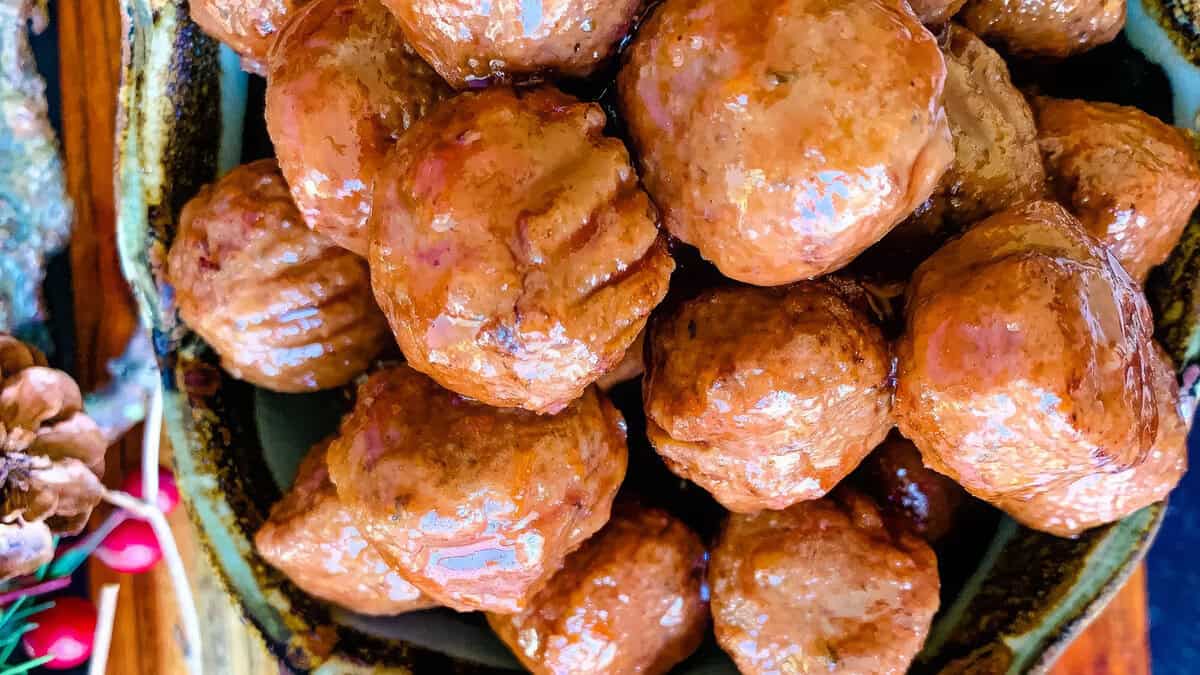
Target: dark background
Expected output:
[1173,563]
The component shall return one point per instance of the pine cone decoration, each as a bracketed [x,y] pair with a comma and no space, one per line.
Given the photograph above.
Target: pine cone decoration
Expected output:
[51,457]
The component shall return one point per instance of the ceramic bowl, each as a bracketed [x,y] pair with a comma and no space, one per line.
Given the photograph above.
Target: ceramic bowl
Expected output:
[1012,604]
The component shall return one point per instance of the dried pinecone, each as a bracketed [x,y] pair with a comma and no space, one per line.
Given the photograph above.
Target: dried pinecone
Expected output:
[51,457]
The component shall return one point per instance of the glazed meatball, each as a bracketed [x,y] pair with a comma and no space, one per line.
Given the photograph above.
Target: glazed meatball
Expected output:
[935,12]
[313,539]
[766,397]
[476,506]
[247,26]
[996,160]
[1027,374]
[474,42]
[632,599]
[909,493]
[1131,179]
[284,307]
[784,137]
[821,587]
[1056,29]
[343,86]
[512,250]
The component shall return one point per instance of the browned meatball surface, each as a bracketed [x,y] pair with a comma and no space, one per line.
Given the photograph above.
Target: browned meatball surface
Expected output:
[821,587]
[908,492]
[631,365]
[766,397]
[1027,374]
[343,86]
[935,12]
[1054,28]
[632,599]
[996,159]
[476,506]
[247,26]
[512,249]
[284,307]
[313,539]
[1132,180]
[474,42]
[784,137]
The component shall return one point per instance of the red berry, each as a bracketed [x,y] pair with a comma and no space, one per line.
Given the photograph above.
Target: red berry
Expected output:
[131,547]
[64,631]
[168,492]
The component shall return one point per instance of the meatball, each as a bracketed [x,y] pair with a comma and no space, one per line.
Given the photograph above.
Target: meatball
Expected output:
[313,539]
[910,494]
[512,251]
[476,506]
[1027,373]
[821,587]
[935,12]
[784,137]
[1131,179]
[473,42]
[632,599]
[996,160]
[284,307]
[343,86]
[767,396]
[247,26]
[1040,28]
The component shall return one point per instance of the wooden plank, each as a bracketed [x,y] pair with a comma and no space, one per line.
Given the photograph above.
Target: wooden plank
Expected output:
[146,626]
[1118,641]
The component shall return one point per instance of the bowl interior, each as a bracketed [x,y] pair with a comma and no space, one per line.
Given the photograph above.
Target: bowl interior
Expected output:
[1012,598]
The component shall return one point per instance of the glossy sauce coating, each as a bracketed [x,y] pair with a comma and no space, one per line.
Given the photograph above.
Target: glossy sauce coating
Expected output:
[631,365]
[935,12]
[474,42]
[313,539]
[1053,28]
[284,307]
[343,86]
[766,397]
[476,506]
[784,137]
[909,493]
[249,27]
[632,599]
[996,159]
[512,249]
[1027,370]
[823,586]
[1132,180]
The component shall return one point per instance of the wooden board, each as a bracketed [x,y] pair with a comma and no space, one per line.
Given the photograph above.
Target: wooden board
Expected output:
[145,639]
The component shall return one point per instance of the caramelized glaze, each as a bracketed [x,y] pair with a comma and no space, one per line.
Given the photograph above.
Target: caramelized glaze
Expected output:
[476,42]
[784,137]
[632,599]
[284,307]
[513,251]
[476,506]
[766,397]
[823,586]
[314,540]
[1132,180]
[343,86]
[1027,371]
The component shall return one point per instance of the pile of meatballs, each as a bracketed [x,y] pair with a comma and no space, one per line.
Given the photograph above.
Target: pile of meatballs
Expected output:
[435,190]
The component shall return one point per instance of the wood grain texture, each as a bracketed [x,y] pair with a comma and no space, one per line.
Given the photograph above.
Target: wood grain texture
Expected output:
[145,640]
[146,628]
[1118,641]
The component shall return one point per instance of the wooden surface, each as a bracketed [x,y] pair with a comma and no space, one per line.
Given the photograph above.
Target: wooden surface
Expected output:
[144,642]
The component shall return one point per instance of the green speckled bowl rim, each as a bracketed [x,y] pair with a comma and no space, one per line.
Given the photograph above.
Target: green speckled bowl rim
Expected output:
[182,103]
